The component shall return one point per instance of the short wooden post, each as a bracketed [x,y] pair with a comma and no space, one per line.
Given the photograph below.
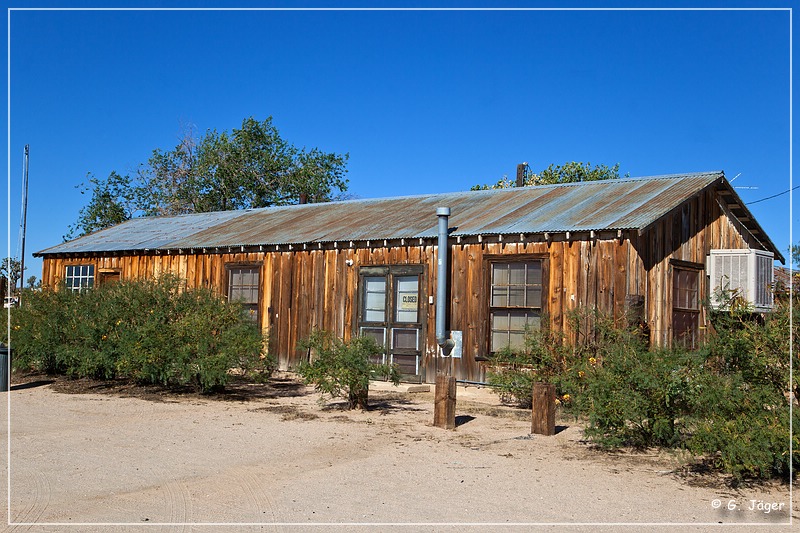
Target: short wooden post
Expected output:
[544,409]
[444,407]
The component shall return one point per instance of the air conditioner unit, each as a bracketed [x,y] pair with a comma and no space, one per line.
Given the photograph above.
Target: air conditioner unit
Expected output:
[744,273]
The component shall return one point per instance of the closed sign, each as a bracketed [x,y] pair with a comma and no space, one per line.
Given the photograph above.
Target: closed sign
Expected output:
[408,302]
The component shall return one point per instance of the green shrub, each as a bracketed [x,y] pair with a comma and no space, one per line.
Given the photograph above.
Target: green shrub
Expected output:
[742,428]
[726,401]
[44,331]
[740,404]
[638,398]
[544,357]
[549,357]
[342,368]
[152,331]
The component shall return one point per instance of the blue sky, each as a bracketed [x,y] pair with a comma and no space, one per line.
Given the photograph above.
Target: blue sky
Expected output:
[423,101]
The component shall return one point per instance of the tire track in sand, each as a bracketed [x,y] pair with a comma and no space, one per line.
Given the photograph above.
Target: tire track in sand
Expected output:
[35,506]
[256,495]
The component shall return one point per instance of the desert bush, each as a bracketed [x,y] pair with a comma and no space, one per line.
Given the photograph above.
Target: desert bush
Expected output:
[543,357]
[638,398]
[550,357]
[343,368]
[44,331]
[726,401]
[152,331]
[742,428]
[4,326]
[740,405]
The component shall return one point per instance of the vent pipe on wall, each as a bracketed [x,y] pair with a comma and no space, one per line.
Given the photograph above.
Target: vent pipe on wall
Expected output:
[442,280]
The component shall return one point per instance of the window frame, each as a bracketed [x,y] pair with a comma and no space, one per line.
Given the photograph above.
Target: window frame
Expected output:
[694,308]
[489,262]
[258,266]
[108,276]
[80,287]
[391,273]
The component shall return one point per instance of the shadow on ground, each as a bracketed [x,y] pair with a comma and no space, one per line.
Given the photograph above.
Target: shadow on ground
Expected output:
[383,403]
[238,389]
[463,419]
[32,384]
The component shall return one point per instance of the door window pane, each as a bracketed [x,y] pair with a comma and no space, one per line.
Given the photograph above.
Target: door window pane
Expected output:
[407,299]
[378,334]
[375,299]
[407,364]
[405,339]
[684,289]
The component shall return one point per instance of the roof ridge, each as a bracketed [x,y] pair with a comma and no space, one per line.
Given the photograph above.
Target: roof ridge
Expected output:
[242,212]
[503,190]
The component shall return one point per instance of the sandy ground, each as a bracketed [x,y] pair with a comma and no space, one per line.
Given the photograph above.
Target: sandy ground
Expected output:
[278,461]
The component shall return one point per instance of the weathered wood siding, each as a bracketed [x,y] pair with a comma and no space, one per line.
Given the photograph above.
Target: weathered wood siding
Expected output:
[307,289]
[688,234]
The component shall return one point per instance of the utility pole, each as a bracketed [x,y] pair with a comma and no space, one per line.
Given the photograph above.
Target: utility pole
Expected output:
[24,222]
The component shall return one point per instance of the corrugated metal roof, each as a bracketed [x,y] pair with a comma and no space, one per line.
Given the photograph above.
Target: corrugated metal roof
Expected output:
[632,203]
[147,233]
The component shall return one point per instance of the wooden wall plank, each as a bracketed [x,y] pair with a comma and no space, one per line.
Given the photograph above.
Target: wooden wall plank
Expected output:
[458,291]
[620,289]
[555,306]
[572,267]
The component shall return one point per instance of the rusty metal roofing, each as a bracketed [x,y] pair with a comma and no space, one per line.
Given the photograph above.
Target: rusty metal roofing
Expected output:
[633,203]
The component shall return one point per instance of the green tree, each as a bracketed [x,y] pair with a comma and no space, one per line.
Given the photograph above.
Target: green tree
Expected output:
[572,172]
[10,269]
[344,368]
[796,254]
[250,167]
[168,183]
[113,201]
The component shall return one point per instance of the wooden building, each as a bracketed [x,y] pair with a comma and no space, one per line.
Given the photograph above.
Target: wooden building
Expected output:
[517,257]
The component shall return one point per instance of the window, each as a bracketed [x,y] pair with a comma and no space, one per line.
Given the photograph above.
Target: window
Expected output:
[390,313]
[108,277]
[244,288]
[515,302]
[685,305]
[79,277]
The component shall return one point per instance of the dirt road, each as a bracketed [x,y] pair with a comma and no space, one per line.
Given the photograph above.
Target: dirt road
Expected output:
[278,461]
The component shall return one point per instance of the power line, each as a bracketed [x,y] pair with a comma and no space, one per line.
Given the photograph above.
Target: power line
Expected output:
[773,196]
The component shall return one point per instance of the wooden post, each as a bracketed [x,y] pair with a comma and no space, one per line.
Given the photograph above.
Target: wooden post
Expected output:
[544,409]
[444,407]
